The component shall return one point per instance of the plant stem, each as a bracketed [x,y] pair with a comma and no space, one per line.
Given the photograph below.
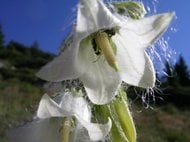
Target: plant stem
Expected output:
[124,116]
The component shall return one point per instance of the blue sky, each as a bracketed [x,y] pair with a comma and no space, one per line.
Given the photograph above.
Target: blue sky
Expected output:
[48,21]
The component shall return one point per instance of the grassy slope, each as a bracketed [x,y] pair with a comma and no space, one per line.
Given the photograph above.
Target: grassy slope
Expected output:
[20,90]
[18,102]
[164,124]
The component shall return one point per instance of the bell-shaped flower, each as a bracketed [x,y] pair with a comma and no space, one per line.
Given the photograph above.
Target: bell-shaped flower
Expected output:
[104,50]
[65,105]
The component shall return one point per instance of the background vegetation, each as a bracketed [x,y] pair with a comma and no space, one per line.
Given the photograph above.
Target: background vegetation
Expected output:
[167,119]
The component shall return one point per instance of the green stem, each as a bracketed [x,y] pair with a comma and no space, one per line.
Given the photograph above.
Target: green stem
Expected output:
[116,135]
[67,124]
[123,128]
[102,113]
[124,116]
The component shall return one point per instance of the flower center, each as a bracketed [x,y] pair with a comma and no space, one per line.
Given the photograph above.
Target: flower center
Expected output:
[102,44]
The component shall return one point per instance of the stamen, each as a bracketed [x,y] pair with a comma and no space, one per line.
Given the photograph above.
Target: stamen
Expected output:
[102,41]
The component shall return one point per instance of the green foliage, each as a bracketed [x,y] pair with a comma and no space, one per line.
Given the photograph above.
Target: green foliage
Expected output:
[182,72]
[22,56]
[178,75]
[22,62]
[177,84]
[171,76]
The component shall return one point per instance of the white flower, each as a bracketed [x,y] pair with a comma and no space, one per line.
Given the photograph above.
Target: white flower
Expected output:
[67,106]
[102,74]
[47,129]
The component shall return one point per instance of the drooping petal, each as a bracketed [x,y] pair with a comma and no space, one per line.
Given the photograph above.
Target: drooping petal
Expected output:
[96,131]
[101,81]
[136,66]
[46,130]
[49,108]
[93,15]
[63,67]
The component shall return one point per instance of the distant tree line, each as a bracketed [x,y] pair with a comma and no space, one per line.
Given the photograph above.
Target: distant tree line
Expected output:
[1,38]
[179,74]
[21,62]
[176,83]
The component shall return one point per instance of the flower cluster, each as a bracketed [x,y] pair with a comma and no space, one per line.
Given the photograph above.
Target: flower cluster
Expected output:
[106,47]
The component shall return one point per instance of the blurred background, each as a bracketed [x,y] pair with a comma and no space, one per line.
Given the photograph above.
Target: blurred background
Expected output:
[30,34]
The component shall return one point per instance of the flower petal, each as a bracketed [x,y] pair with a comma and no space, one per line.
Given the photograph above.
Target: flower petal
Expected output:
[63,67]
[75,105]
[93,15]
[63,105]
[46,130]
[136,68]
[144,32]
[101,81]
[96,131]
[80,134]
[49,108]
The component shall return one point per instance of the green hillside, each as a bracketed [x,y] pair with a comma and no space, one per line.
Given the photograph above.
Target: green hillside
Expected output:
[20,89]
